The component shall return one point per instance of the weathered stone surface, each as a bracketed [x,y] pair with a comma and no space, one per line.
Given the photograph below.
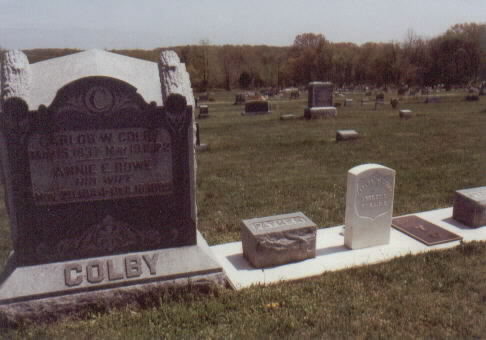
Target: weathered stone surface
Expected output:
[174,77]
[470,206]
[110,177]
[320,112]
[405,114]
[275,240]
[343,135]
[15,76]
[369,206]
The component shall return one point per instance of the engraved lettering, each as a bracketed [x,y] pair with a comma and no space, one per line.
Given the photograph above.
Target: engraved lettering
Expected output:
[69,269]
[278,223]
[133,266]
[95,272]
[112,274]
[151,262]
[77,166]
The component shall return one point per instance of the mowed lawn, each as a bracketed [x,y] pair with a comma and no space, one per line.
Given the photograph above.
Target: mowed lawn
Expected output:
[259,166]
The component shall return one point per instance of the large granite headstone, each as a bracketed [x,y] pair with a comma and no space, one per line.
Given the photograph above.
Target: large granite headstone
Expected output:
[470,206]
[98,155]
[319,103]
[369,206]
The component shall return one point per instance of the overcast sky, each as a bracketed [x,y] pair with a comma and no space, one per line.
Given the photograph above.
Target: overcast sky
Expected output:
[149,24]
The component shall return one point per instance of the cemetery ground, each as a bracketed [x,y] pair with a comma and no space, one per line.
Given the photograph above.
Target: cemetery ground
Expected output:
[260,166]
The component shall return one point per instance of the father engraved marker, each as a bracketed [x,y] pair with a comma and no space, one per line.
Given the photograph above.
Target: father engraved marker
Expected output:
[275,240]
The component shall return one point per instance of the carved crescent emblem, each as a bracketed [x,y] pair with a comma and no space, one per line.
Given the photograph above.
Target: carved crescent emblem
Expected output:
[99,99]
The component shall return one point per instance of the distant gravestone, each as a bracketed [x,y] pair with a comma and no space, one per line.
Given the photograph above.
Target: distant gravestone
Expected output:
[256,107]
[275,240]
[288,116]
[369,206]
[319,102]
[240,99]
[320,94]
[343,135]
[348,102]
[103,179]
[405,114]
[470,206]
[203,111]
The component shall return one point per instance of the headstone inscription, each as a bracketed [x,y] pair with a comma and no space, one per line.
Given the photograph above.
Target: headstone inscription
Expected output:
[99,183]
[470,206]
[369,206]
[275,240]
[319,101]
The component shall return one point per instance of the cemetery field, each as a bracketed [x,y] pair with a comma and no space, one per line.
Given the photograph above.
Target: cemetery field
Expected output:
[259,166]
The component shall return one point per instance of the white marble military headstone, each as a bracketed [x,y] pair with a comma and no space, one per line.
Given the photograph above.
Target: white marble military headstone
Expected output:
[369,206]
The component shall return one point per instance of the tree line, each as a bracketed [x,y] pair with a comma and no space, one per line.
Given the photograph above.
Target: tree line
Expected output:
[455,58]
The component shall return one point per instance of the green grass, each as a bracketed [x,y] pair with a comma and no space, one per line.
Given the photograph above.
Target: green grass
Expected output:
[259,166]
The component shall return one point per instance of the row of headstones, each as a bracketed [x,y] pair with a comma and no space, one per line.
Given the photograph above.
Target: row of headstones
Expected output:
[281,239]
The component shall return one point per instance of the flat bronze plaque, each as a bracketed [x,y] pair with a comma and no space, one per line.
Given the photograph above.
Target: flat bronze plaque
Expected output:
[423,231]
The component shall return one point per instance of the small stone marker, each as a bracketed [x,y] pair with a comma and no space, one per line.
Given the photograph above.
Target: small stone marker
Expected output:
[405,114]
[320,112]
[470,206]
[343,135]
[288,117]
[320,101]
[348,102]
[203,111]
[256,107]
[369,206]
[428,233]
[275,240]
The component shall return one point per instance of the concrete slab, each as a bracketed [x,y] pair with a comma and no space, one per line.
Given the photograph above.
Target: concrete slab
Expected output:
[331,254]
